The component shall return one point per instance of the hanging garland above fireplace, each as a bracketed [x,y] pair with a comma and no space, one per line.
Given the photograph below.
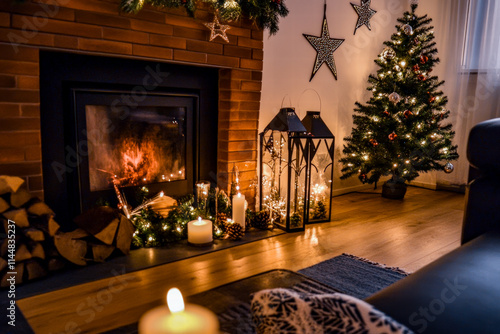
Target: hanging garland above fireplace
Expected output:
[265,13]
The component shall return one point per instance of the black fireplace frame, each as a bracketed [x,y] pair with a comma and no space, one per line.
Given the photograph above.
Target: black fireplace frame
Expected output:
[63,74]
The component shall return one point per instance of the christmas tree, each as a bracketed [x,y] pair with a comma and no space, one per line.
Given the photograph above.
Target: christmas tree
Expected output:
[400,130]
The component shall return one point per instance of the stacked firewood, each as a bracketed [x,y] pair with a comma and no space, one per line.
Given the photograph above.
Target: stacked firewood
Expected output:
[27,229]
[32,244]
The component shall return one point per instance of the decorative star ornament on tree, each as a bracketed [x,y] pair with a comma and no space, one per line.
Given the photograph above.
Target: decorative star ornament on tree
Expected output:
[325,47]
[365,13]
[217,29]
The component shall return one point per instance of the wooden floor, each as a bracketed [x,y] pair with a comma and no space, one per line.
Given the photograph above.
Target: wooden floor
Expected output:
[407,234]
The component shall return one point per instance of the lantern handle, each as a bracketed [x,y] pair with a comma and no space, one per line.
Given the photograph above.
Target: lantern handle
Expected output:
[289,100]
[300,97]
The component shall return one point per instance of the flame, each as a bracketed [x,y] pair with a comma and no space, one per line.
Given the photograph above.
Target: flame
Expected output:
[175,301]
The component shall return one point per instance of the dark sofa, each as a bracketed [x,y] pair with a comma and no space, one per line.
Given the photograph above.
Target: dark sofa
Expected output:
[460,292]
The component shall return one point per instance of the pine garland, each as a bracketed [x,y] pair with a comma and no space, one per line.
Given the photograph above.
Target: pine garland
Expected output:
[265,13]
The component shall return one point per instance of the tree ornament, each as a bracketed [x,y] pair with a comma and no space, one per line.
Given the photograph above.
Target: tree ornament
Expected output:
[363,178]
[422,77]
[261,220]
[325,47]
[407,29]
[386,113]
[407,113]
[423,59]
[234,231]
[416,41]
[448,167]
[217,29]
[373,142]
[416,68]
[392,136]
[432,99]
[365,13]
[394,97]
[388,53]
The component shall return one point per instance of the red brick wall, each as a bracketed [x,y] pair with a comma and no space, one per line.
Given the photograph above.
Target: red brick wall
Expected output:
[97,26]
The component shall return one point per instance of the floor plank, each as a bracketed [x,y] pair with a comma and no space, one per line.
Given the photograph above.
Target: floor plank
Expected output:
[408,234]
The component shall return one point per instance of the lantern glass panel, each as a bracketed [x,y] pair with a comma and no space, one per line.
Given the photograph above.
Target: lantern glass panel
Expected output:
[321,174]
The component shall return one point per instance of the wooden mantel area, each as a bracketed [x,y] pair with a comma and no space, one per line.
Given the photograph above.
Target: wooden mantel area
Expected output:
[409,235]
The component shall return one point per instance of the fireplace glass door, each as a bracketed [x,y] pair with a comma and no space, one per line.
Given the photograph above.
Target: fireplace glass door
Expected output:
[133,142]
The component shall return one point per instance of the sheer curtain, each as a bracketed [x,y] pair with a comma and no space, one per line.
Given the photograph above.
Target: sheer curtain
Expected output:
[470,36]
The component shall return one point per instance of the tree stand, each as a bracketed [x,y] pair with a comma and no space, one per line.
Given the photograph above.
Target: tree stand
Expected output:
[393,190]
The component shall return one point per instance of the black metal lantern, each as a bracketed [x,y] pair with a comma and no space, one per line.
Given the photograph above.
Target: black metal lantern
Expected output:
[283,171]
[320,150]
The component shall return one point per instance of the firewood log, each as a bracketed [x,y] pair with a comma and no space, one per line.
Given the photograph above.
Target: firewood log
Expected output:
[20,217]
[53,227]
[20,197]
[101,252]
[4,206]
[38,251]
[19,270]
[40,209]
[10,184]
[34,234]
[35,270]
[124,235]
[71,247]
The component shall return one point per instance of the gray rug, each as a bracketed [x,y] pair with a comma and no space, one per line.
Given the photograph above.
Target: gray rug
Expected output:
[345,273]
[353,275]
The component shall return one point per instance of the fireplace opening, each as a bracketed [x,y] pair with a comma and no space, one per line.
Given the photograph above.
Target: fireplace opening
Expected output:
[137,123]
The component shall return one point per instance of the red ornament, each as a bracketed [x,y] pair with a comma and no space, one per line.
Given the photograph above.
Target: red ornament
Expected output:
[362,178]
[407,113]
[386,113]
[424,59]
[393,136]
[416,68]
[421,77]
[431,99]
[373,142]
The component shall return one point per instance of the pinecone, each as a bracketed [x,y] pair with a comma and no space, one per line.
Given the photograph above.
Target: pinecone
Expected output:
[221,218]
[261,220]
[234,231]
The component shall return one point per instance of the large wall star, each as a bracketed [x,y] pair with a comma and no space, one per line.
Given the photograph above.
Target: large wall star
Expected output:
[324,46]
[365,13]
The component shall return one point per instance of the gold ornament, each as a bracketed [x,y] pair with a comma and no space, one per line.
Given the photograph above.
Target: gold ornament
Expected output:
[217,29]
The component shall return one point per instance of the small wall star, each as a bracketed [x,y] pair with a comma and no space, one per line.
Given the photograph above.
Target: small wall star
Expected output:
[324,46]
[217,29]
[365,13]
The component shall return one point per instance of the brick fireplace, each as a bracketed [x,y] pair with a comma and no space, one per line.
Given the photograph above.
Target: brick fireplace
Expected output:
[96,27]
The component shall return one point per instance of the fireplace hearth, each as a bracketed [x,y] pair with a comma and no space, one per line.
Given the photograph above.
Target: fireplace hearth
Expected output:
[137,123]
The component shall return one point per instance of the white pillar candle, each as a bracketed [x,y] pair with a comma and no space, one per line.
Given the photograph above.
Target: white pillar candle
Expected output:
[200,231]
[239,209]
[178,319]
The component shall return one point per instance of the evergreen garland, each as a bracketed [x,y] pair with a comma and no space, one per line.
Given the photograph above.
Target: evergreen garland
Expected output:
[265,13]
[399,131]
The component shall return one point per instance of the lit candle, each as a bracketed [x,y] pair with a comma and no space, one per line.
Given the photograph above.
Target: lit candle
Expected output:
[178,319]
[239,209]
[200,231]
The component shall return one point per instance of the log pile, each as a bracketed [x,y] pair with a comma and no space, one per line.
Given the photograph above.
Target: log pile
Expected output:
[100,231]
[27,228]
[35,244]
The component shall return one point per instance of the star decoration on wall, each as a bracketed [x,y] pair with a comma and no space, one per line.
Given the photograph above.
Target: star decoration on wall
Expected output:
[365,13]
[217,29]
[325,47]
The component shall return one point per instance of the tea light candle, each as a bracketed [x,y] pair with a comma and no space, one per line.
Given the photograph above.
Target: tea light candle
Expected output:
[239,209]
[175,318]
[200,231]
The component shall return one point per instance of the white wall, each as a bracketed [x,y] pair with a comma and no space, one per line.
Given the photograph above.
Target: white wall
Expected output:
[289,59]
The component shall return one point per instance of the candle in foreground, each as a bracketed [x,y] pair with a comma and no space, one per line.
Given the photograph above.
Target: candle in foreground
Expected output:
[178,319]
[200,231]
[239,209]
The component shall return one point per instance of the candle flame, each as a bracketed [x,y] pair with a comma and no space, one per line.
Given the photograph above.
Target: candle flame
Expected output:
[175,302]
[162,194]
[239,194]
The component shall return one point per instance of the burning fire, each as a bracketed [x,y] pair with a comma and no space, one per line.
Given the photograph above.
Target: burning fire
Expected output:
[139,161]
